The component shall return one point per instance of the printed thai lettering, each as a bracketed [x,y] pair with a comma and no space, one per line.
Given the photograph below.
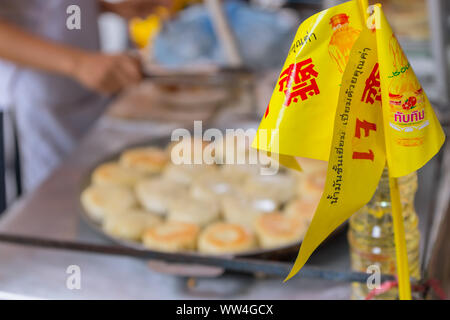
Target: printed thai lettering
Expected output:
[301,41]
[337,169]
[299,81]
[344,118]
[405,118]
[361,65]
[302,91]
[336,185]
[372,90]
[333,199]
[366,126]
[402,70]
[363,155]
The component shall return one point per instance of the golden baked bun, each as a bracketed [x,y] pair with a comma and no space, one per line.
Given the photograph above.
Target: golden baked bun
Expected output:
[276,230]
[98,200]
[279,187]
[185,173]
[196,211]
[211,185]
[156,194]
[111,173]
[131,224]
[302,209]
[171,236]
[233,148]
[222,238]
[146,160]
[312,186]
[240,172]
[241,210]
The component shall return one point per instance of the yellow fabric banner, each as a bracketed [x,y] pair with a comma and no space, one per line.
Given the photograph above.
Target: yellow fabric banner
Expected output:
[300,115]
[413,133]
[348,95]
[357,157]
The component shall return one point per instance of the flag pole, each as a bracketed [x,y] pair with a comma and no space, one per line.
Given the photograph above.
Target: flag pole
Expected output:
[363,5]
[404,286]
[401,254]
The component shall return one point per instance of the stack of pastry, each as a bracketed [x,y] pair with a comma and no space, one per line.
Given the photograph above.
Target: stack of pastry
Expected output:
[211,208]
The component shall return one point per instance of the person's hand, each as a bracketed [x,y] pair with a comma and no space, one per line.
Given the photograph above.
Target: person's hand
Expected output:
[134,8]
[107,74]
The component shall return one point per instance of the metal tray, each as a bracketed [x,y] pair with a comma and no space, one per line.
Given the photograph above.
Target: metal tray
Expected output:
[279,253]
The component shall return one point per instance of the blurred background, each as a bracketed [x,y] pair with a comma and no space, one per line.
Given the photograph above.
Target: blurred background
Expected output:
[184,38]
[143,68]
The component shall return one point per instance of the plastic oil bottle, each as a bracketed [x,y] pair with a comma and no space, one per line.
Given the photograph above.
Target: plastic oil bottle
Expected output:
[371,234]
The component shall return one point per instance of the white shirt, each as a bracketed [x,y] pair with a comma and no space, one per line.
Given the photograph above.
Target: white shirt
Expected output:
[52,111]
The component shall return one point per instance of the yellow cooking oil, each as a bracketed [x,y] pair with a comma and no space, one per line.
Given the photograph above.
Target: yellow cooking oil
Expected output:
[371,234]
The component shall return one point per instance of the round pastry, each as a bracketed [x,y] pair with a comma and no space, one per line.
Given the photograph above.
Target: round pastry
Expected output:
[195,211]
[212,185]
[222,237]
[185,173]
[111,173]
[311,187]
[302,209]
[241,210]
[279,187]
[240,172]
[276,230]
[131,224]
[172,236]
[145,160]
[98,200]
[233,148]
[155,194]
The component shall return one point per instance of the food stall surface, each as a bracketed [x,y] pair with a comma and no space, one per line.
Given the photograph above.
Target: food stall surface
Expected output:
[52,211]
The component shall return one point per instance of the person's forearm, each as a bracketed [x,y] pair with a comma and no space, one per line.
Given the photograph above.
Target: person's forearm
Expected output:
[23,48]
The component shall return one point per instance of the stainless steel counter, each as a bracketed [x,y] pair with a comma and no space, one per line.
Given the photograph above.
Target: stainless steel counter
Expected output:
[53,211]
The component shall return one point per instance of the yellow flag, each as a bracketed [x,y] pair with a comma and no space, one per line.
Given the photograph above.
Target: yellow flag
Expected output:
[413,133]
[347,95]
[300,115]
[357,157]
